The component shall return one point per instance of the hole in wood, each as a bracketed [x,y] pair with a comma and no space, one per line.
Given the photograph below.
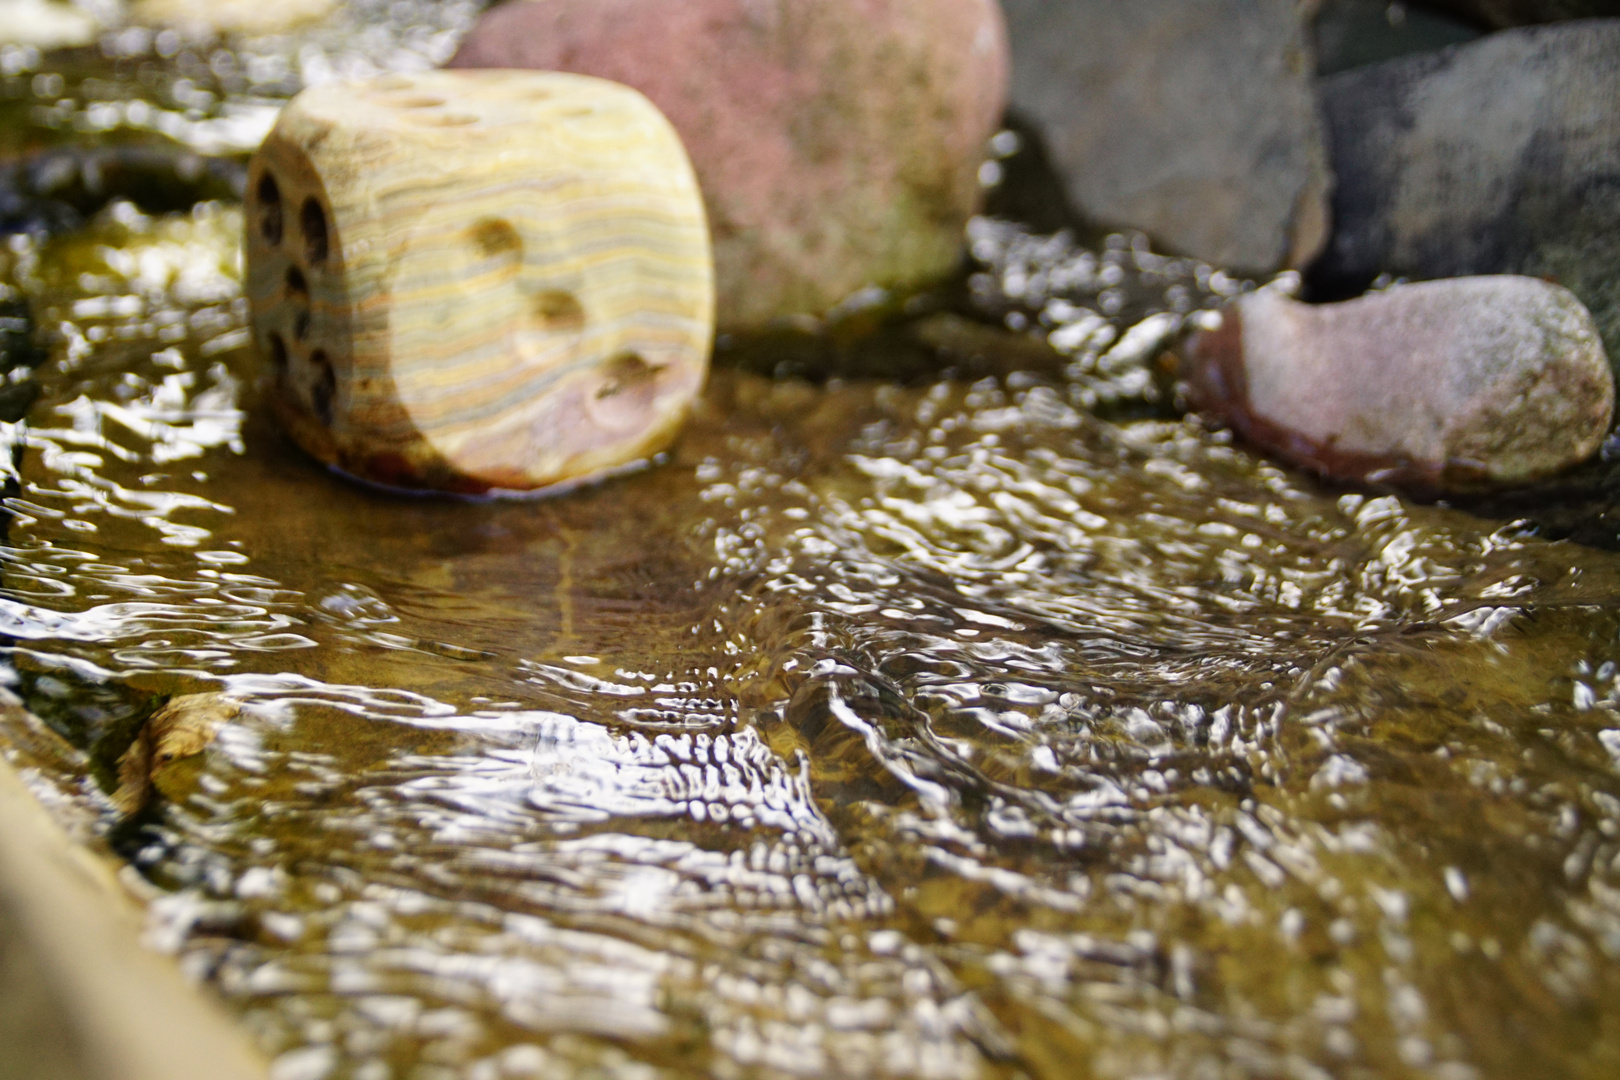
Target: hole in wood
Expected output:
[269,198]
[297,285]
[556,309]
[278,355]
[312,220]
[624,376]
[322,386]
[496,239]
[627,390]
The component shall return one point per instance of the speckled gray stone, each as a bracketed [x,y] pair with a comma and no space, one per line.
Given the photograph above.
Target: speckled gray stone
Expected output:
[1446,385]
[1501,156]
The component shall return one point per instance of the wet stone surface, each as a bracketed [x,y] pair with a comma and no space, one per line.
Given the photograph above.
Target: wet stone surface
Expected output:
[1004,726]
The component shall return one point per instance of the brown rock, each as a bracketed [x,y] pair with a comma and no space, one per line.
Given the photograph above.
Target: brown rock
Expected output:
[837,142]
[1445,385]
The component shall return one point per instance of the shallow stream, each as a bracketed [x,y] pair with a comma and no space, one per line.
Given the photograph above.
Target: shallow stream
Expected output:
[1003,725]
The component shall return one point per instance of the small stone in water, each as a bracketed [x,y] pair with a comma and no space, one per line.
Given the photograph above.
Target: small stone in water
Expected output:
[182,728]
[1446,385]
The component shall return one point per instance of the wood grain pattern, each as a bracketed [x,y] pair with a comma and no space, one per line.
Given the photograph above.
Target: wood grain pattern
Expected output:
[478,280]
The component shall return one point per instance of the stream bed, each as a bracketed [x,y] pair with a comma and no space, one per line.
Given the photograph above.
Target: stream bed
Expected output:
[1007,724]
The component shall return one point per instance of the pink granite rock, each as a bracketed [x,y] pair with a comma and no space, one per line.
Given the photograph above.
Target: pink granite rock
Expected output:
[837,142]
[1446,385]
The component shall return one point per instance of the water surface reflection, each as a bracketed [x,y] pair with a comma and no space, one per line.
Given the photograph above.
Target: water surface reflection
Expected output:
[941,730]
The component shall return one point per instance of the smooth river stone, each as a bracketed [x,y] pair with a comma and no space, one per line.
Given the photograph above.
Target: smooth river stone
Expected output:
[1443,385]
[838,142]
[478,280]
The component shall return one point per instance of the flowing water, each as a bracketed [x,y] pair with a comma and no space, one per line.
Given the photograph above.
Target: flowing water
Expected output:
[1000,725]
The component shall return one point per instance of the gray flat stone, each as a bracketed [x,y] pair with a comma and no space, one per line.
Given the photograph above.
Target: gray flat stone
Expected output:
[1193,122]
[1445,385]
[1500,156]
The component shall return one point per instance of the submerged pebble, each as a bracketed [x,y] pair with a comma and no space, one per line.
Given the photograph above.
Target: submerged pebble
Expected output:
[180,729]
[1446,385]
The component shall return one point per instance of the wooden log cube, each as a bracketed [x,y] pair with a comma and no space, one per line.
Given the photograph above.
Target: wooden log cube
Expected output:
[478,280]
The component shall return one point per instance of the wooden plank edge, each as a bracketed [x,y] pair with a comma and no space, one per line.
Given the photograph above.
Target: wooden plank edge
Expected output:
[134,1014]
